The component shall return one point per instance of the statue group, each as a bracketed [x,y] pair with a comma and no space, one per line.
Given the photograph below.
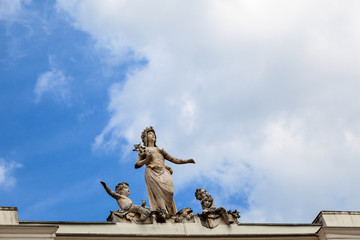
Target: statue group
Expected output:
[160,189]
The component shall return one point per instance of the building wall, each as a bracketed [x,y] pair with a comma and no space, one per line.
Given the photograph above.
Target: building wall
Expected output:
[327,225]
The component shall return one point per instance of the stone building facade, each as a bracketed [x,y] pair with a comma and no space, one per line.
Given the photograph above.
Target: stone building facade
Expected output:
[328,225]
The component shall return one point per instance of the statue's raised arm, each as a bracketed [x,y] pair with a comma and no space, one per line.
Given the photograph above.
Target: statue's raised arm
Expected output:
[158,178]
[121,195]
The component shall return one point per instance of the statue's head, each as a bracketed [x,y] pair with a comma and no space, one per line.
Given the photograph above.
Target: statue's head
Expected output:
[208,201]
[144,135]
[200,193]
[123,189]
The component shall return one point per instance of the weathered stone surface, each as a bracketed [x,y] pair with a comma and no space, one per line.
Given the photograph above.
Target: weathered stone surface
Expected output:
[185,215]
[9,215]
[212,216]
[128,210]
[158,177]
[128,217]
[160,190]
[160,216]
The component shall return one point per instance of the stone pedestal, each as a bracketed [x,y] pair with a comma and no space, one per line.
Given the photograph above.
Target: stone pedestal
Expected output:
[9,215]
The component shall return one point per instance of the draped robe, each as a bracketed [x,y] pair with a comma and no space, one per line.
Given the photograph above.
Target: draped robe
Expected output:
[159,183]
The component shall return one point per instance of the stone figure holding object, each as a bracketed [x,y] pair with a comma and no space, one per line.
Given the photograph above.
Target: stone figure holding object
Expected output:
[158,177]
[121,196]
[208,206]
[211,216]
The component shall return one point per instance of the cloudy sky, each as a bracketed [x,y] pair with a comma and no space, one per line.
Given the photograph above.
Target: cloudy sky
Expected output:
[264,95]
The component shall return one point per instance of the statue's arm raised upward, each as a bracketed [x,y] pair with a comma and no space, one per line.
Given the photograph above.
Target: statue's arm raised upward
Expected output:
[110,192]
[176,160]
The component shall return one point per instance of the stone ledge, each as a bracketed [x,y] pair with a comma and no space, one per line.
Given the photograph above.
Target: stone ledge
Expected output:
[338,218]
[183,229]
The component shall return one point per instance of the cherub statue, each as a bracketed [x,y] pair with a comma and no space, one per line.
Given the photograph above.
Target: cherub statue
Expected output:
[210,211]
[121,196]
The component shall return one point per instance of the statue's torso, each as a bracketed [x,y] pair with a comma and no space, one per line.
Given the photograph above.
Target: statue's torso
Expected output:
[156,157]
[125,203]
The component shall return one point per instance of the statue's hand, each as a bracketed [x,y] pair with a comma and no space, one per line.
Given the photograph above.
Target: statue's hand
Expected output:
[102,183]
[139,148]
[142,154]
[190,160]
[169,169]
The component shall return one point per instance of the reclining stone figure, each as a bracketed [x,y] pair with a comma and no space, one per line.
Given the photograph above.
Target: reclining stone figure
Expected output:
[126,205]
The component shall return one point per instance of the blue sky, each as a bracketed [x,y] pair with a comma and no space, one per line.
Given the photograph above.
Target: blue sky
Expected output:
[262,94]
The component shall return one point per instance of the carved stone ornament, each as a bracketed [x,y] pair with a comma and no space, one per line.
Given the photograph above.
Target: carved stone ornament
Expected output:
[128,217]
[185,215]
[212,216]
[159,184]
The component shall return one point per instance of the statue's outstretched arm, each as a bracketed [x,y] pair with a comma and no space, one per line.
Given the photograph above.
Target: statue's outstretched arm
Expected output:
[109,191]
[176,160]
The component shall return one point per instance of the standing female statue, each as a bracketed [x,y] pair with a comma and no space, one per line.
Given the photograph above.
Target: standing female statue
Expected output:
[158,178]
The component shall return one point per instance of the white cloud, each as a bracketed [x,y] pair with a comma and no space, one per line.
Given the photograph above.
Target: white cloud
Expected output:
[261,94]
[53,84]
[6,169]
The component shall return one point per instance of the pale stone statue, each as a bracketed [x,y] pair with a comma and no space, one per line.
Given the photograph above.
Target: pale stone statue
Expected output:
[160,189]
[211,215]
[126,205]
[158,177]
[185,215]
